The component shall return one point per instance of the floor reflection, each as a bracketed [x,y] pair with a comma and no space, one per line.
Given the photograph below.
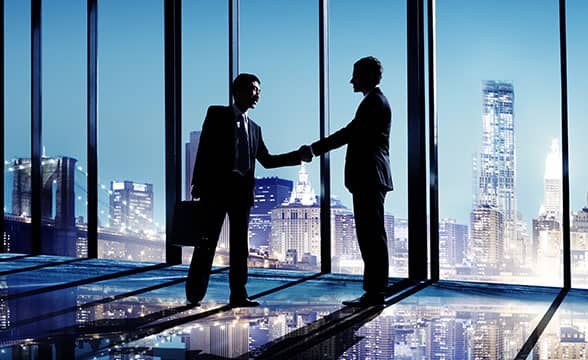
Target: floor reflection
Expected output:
[441,323]
[143,314]
[565,336]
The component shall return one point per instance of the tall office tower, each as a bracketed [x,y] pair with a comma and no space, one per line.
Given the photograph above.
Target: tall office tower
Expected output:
[57,203]
[296,224]
[270,192]
[399,262]
[191,151]
[131,207]
[487,239]
[453,239]
[344,244]
[546,242]
[552,183]
[496,162]
[389,228]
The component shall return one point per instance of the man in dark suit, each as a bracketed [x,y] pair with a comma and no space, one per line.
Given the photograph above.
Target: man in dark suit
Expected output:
[223,181]
[367,174]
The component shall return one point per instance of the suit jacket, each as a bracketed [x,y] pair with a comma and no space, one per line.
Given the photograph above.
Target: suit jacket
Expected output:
[367,137]
[215,159]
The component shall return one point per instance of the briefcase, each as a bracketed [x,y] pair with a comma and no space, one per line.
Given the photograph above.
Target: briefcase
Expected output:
[186,223]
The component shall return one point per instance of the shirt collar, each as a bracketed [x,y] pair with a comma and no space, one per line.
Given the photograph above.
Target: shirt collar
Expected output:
[238,112]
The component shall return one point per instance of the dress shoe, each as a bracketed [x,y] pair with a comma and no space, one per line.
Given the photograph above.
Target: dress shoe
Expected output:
[192,300]
[366,300]
[243,302]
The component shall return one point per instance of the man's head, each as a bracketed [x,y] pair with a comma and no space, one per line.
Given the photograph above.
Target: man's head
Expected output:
[246,91]
[367,73]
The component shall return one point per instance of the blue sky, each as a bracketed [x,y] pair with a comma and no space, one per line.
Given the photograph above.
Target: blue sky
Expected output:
[505,41]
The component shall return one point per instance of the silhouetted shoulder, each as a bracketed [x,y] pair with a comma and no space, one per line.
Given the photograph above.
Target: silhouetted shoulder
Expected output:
[217,110]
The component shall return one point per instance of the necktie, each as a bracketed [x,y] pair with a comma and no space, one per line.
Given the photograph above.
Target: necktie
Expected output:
[243,164]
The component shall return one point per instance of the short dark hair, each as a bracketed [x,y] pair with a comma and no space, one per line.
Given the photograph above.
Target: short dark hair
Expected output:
[243,80]
[370,66]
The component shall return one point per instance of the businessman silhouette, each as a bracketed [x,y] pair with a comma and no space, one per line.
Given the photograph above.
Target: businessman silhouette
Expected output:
[223,181]
[367,174]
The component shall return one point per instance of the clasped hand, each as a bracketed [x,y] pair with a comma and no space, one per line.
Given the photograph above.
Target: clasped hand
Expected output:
[305,153]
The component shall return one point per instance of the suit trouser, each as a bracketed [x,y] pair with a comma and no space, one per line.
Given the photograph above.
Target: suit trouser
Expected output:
[237,204]
[368,210]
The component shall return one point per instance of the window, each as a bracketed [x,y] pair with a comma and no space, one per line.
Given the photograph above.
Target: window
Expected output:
[17,139]
[357,30]
[131,141]
[498,101]
[63,163]
[205,82]
[577,124]
[283,52]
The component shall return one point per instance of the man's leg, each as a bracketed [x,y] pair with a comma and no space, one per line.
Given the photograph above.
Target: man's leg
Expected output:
[239,249]
[368,209]
[202,257]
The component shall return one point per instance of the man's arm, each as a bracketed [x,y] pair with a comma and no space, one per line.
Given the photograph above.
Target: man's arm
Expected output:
[269,161]
[335,140]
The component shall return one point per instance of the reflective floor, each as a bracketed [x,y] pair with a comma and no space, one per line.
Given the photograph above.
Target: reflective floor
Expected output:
[63,308]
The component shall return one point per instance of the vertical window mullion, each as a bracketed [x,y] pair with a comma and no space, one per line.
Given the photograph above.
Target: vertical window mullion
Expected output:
[36,126]
[325,170]
[564,134]
[92,118]
[433,159]
[173,119]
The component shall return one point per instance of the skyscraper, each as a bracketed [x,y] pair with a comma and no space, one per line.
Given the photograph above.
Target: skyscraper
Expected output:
[296,224]
[487,239]
[191,151]
[552,183]
[270,192]
[496,162]
[131,207]
[452,242]
[547,240]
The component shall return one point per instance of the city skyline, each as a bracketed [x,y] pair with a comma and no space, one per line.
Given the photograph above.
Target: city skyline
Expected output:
[458,98]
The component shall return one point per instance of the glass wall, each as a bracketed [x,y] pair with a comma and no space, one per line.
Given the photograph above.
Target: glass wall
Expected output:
[63,163]
[205,82]
[283,52]
[17,127]
[577,29]
[498,101]
[131,141]
[357,30]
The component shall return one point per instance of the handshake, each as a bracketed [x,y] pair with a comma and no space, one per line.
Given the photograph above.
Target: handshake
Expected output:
[305,153]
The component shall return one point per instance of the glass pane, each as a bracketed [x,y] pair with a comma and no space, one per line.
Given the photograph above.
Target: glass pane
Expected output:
[499,135]
[17,127]
[356,31]
[64,183]
[131,128]
[205,72]
[577,10]
[282,51]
